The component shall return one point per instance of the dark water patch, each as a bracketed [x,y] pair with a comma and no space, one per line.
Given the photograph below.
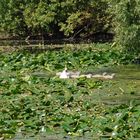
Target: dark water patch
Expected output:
[99,37]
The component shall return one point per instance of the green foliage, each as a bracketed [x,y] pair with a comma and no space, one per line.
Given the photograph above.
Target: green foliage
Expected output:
[11,17]
[54,17]
[74,21]
[33,100]
[39,16]
[127,24]
[87,17]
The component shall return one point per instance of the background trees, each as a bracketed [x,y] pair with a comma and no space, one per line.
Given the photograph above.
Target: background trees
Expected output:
[59,18]
[127,24]
[12,18]
[73,18]
[86,18]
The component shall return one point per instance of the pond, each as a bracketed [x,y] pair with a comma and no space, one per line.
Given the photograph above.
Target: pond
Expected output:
[125,84]
[124,87]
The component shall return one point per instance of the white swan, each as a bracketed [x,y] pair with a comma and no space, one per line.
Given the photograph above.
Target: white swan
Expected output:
[64,74]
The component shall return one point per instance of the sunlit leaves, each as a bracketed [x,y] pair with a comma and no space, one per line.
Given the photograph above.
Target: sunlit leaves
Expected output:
[127,26]
[38,16]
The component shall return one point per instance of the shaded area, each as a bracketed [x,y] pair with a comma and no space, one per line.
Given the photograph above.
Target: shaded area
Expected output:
[96,38]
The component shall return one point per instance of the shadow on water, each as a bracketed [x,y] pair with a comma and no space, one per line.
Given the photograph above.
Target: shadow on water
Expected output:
[96,38]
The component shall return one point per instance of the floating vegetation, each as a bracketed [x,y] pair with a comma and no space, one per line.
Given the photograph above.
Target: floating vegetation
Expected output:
[35,103]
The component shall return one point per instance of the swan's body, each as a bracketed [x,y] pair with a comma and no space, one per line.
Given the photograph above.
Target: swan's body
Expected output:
[64,74]
[68,74]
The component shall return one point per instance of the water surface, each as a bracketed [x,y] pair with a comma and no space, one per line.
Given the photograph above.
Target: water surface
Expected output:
[124,87]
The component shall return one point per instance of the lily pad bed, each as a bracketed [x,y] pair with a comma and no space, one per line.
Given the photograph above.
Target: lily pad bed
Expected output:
[36,104]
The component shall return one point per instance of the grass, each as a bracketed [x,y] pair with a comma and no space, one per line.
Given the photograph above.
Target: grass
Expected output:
[33,101]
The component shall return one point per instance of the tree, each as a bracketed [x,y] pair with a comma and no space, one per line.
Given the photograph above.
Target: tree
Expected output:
[64,18]
[38,17]
[11,17]
[127,24]
[86,18]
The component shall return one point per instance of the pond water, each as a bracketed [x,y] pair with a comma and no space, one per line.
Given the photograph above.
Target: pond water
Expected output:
[125,86]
